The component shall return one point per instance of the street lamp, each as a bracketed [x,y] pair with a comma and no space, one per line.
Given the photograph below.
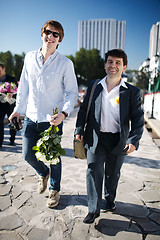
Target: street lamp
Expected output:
[154,75]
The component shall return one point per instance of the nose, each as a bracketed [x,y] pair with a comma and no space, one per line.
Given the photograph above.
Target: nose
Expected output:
[113,64]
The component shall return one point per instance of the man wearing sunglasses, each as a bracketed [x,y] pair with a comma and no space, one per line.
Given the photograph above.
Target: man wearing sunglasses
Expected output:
[47,82]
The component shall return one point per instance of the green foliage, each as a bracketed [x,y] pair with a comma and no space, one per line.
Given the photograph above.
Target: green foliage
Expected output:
[48,148]
[143,80]
[13,64]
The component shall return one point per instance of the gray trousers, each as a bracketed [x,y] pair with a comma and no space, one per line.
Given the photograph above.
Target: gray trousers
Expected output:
[103,165]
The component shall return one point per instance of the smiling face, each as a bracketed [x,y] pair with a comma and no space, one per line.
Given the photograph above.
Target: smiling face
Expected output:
[50,41]
[114,67]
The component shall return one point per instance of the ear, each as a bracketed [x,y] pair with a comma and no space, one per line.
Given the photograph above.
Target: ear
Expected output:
[124,68]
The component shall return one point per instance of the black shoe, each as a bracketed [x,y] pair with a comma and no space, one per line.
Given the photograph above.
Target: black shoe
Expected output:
[12,144]
[110,206]
[91,217]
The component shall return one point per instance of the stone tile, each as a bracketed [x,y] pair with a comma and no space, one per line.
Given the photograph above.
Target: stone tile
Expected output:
[155,236]
[16,192]
[5,202]
[22,199]
[80,230]
[28,212]
[124,235]
[38,234]
[155,217]
[4,190]
[131,209]
[11,222]
[2,179]
[150,196]
[146,225]
[10,236]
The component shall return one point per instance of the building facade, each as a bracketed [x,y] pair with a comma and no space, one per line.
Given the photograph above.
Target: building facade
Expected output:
[154,43]
[101,34]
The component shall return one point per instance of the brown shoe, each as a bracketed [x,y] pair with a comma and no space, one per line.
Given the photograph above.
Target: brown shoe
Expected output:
[42,184]
[53,199]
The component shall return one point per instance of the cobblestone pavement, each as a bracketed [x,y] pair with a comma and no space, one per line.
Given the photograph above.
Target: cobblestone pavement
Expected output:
[24,214]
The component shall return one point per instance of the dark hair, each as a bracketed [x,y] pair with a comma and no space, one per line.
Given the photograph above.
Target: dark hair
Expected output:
[56,25]
[117,53]
[1,65]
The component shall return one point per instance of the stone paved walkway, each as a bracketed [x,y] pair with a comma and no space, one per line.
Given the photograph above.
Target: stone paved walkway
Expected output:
[24,214]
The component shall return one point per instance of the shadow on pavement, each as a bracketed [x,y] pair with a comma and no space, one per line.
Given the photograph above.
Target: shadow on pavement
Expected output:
[143,162]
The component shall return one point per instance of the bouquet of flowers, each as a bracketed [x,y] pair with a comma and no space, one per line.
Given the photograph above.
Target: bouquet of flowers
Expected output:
[6,92]
[48,148]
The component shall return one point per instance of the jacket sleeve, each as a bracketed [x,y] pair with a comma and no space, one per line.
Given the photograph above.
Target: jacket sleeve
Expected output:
[136,118]
[81,117]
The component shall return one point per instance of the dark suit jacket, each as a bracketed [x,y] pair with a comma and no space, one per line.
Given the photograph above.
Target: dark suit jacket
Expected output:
[131,118]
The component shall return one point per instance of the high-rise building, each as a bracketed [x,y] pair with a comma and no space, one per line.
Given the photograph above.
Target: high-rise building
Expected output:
[154,43]
[102,34]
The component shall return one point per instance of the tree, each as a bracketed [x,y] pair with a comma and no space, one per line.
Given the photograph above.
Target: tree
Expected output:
[88,65]
[18,65]
[7,60]
[13,64]
[143,80]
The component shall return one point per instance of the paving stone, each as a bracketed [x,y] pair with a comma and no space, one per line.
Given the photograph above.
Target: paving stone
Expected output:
[80,230]
[22,199]
[5,202]
[4,190]
[132,210]
[150,196]
[155,206]
[28,212]
[11,222]
[146,225]
[110,224]
[124,235]
[16,192]
[154,236]
[155,217]
[38,234]
[2,179]
[10,236]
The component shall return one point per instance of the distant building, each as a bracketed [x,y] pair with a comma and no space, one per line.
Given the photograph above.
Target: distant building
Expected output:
[154,43]
[101,34]
[152,64]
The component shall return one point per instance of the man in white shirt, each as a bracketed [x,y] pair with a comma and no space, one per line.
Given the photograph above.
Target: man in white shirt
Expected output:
[47,82]
[114,127]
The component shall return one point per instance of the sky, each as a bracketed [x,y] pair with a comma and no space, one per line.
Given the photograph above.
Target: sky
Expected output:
[22,20]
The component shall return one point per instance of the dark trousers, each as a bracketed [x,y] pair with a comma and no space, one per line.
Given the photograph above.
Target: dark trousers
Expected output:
[6,108]
[30,135]
[105,165]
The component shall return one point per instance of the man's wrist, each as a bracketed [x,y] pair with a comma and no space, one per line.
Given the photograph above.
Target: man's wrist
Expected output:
[64,113]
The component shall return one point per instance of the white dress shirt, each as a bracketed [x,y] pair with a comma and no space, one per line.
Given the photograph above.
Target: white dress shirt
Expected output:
[110,116]
[46,86]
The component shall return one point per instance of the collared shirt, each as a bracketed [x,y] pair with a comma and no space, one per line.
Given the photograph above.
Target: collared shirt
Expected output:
[44,87]
[110,116]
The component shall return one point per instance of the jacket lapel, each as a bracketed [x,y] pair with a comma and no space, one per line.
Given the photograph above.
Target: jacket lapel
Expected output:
[98,99]
[124,101]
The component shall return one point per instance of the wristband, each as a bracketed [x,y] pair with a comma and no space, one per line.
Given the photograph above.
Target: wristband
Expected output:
[65,114]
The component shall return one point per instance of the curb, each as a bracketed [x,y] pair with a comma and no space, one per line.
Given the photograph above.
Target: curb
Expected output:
[150,122]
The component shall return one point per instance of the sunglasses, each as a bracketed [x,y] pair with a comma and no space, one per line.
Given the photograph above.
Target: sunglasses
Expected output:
[55,34]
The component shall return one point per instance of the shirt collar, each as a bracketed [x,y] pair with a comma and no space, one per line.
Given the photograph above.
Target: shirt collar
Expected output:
[122,83]
[40,56]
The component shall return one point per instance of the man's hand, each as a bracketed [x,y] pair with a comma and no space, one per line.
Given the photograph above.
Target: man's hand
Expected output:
[14,114]
[129,148]
[79,137]
[57,119]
